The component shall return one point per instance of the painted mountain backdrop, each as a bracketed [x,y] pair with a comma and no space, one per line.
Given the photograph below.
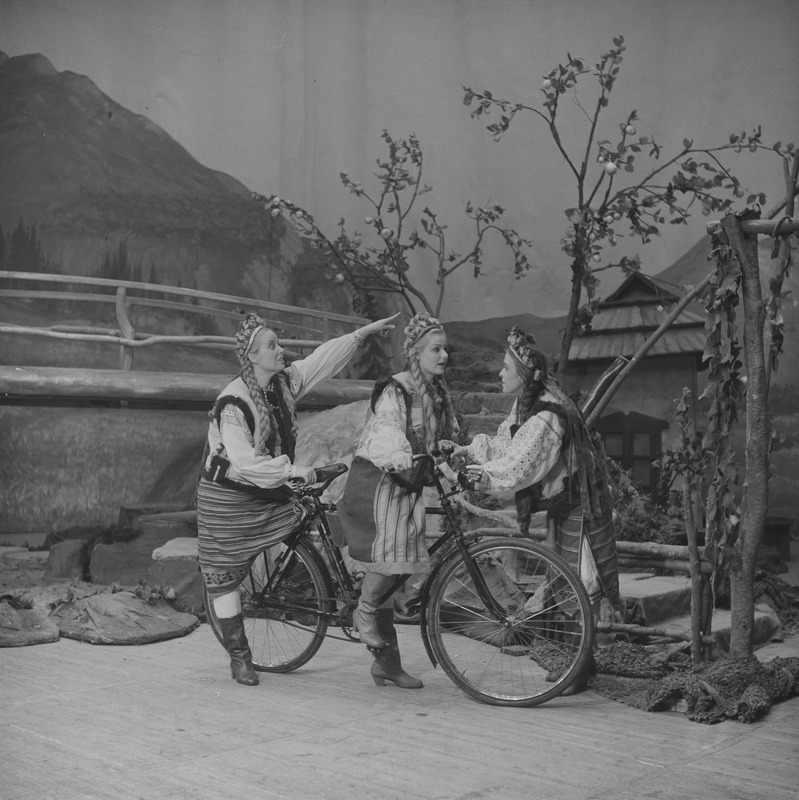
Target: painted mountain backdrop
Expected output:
[106,189]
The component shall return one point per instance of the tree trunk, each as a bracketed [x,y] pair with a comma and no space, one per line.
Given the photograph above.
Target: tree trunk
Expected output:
[755,498]
[694,570]
[578,267]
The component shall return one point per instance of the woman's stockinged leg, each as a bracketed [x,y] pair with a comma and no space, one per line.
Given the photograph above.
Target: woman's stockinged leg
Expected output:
[227,605]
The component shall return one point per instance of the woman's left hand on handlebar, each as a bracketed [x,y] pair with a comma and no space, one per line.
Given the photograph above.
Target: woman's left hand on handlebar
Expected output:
[452,450]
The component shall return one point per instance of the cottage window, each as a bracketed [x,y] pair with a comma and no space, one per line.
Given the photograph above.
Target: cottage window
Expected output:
[634,441]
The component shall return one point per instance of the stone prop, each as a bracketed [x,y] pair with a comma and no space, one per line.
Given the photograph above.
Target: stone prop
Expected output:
[68,561]
[331,437]
[127,563]
[175,566]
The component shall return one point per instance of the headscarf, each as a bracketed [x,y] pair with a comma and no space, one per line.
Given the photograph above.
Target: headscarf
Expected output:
[277,412]
[584,465]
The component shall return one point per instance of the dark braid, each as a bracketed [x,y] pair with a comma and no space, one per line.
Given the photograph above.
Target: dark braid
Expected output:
[533,386]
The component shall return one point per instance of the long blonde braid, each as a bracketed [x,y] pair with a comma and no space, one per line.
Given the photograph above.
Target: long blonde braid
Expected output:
[428,404]
[433,393]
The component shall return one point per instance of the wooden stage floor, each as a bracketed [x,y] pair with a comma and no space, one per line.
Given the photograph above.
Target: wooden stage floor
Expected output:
[165,722]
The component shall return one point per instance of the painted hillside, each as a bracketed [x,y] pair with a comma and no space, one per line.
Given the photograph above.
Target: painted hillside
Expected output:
[105,188]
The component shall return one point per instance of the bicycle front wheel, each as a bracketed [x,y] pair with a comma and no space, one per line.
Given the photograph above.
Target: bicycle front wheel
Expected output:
[284,611]
[528,640]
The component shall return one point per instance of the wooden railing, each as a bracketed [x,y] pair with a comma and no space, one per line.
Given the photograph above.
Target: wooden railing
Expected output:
[319,327]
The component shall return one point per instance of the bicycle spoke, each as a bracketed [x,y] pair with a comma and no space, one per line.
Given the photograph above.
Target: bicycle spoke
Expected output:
[534,648]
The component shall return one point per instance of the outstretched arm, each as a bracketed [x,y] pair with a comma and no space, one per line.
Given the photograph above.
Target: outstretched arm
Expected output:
[331,357]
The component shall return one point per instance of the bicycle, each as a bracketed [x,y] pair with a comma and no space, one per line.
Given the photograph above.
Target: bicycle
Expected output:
[507,619]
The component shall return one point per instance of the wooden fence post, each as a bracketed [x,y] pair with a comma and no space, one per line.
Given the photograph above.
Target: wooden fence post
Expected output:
[126,329]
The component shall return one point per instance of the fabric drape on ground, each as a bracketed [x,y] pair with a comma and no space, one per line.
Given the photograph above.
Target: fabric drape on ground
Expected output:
[232,529]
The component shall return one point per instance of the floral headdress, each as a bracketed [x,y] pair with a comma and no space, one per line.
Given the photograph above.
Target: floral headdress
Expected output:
[522,347]
[245,336]
[419,325]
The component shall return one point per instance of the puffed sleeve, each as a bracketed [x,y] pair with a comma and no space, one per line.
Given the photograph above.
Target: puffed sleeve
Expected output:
[530,454]
[264,471]
[385,436]
[486,448]
[328,359]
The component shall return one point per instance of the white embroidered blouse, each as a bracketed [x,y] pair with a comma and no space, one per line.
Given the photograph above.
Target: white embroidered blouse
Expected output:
[532,456]
[383,436]
[233,433]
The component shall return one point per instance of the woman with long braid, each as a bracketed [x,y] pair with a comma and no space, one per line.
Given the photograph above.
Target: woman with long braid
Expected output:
[383,520]
[243,501]
[544,453]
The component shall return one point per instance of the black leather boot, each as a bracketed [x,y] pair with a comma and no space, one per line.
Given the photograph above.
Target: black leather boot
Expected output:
[387,665]
[235,642]
[364,618]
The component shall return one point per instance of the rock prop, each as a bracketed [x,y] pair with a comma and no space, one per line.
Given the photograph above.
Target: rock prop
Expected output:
[331,437]
[68,561]
[121,618]
[175,565]
[128,561]
[24,626]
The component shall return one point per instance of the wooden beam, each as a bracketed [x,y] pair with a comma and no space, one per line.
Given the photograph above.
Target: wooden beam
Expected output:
[768,227]
[21,385]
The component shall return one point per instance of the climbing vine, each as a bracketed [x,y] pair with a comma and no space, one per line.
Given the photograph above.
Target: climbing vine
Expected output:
[724,391]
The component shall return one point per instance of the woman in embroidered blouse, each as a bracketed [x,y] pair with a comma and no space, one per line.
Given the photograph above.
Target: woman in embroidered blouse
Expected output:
[544,453]
[382,521]
[243,503]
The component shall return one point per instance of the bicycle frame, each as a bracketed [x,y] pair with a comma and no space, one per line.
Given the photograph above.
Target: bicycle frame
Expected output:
[344,588]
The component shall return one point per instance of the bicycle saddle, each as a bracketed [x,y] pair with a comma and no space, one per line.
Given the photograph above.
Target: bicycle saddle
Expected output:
[329,471]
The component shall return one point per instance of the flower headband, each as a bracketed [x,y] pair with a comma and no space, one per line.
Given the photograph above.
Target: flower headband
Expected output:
[419,325]
[250,326]
[522,347]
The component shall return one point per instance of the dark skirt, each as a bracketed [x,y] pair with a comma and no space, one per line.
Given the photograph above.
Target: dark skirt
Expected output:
[233,528]
[589,546]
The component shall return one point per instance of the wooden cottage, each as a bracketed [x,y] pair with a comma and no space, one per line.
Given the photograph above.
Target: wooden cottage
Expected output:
[639,422]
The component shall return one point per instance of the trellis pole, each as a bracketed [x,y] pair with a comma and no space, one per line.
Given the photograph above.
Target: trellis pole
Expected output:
[742,237]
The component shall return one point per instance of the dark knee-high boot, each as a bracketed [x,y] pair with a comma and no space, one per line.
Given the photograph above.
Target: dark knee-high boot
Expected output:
[364,618]
[235,642]
[387,665]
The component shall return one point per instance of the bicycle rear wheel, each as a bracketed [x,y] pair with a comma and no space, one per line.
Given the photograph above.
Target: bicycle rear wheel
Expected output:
[542,641]
[283,617]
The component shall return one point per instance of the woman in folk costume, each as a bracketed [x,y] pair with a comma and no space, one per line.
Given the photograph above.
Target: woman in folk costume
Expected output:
[383,522]
[543,451]
[243,500]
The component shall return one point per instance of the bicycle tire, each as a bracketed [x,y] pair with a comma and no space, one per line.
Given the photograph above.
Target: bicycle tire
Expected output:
[286,627]
[549,636]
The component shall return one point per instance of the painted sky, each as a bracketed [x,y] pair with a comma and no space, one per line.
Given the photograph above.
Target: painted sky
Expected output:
[285,94]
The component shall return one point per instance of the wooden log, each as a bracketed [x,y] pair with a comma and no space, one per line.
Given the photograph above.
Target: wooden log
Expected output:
[661,563]
[639,630]
[25,384]
[653,549]
[752,227]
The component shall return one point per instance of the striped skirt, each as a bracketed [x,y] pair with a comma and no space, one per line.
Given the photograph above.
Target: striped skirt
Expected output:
[590,548]
[233,528]
[382,524]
